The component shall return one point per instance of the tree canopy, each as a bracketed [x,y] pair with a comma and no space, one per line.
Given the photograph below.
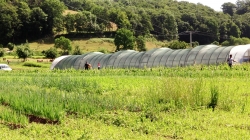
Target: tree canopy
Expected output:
[163,19]
[51,53]
[23,51]
[124,39]
[64,44]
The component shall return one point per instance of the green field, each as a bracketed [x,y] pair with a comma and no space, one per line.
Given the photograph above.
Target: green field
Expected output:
[198,102]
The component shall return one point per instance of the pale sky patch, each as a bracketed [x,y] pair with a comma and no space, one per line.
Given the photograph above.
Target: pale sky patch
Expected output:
[215,4]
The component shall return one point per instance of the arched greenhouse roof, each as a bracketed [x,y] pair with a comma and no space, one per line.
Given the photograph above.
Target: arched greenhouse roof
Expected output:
[165,57]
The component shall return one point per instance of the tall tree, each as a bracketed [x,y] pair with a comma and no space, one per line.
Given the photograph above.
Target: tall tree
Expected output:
[212,27]
[80,21]
[9,22]
[190,20]
[165,25]
[242,6]
[91,23]
[54,10]
[38,22]
[23,12]
[234,30]
[64,44]
[24,51]
[229,8]
[184,26]
[69,22]
[141,43]
[102,17]
[124,39]
[120,18]
[223,31]
[140,21]
[245,28]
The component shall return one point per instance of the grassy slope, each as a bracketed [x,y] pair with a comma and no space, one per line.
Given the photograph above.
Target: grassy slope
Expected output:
[88,45]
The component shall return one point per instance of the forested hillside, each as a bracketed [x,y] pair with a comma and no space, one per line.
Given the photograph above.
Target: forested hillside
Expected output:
[22,20]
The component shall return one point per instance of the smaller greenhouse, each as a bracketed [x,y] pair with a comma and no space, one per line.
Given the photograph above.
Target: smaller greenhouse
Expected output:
[164,57]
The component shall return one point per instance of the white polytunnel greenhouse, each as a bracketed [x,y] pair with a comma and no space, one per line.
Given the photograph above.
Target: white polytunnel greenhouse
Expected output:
[159,57]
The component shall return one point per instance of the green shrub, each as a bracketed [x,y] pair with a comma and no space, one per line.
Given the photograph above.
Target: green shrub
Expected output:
[77,50]
[178,45]
[194,44]
[10,46]
[225,43]
[141,43]
[30,64]
[51,53]
[214,97]
[1,52]
[232,41]
[24,51]
[216,43]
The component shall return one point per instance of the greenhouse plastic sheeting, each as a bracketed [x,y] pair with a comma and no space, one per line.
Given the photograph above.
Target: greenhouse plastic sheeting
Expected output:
[158,57]
[238,52]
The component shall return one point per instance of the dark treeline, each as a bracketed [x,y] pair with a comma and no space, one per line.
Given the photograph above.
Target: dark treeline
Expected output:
[22,20]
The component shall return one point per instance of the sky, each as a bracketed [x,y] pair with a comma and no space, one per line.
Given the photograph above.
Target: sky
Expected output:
[215,4]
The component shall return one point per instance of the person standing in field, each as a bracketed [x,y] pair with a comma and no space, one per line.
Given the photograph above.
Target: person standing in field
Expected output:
[86,66]
[89,66]
[98,66]
[230,61]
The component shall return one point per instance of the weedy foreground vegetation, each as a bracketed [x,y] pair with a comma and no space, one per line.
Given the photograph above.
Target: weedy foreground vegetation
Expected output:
[198,102]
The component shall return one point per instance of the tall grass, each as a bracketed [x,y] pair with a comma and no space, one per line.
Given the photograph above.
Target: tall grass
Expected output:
[149,103]
[214,97]
[55,94]
[11,117]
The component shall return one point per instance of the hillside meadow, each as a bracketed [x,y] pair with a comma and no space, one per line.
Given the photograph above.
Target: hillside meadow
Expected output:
[198,102]
[88,45]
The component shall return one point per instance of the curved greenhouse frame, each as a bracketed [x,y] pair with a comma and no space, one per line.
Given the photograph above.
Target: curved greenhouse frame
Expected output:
[164,57]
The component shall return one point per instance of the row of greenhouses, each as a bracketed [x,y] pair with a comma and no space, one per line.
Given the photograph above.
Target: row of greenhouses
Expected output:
[158,57]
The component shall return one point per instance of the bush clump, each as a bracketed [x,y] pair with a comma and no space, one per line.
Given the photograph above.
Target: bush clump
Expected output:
[30,64]
[1,52]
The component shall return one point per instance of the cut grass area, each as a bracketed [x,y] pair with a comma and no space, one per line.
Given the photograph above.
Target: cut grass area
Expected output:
[86,45]
[69,12]
[90,45]
[29,64]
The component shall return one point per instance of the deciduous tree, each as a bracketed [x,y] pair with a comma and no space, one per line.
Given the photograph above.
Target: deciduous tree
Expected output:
[24,51]
[8,22]
[64,44]
[229,8]
[124,39]
[54,10]
[141,43]
[38,22]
